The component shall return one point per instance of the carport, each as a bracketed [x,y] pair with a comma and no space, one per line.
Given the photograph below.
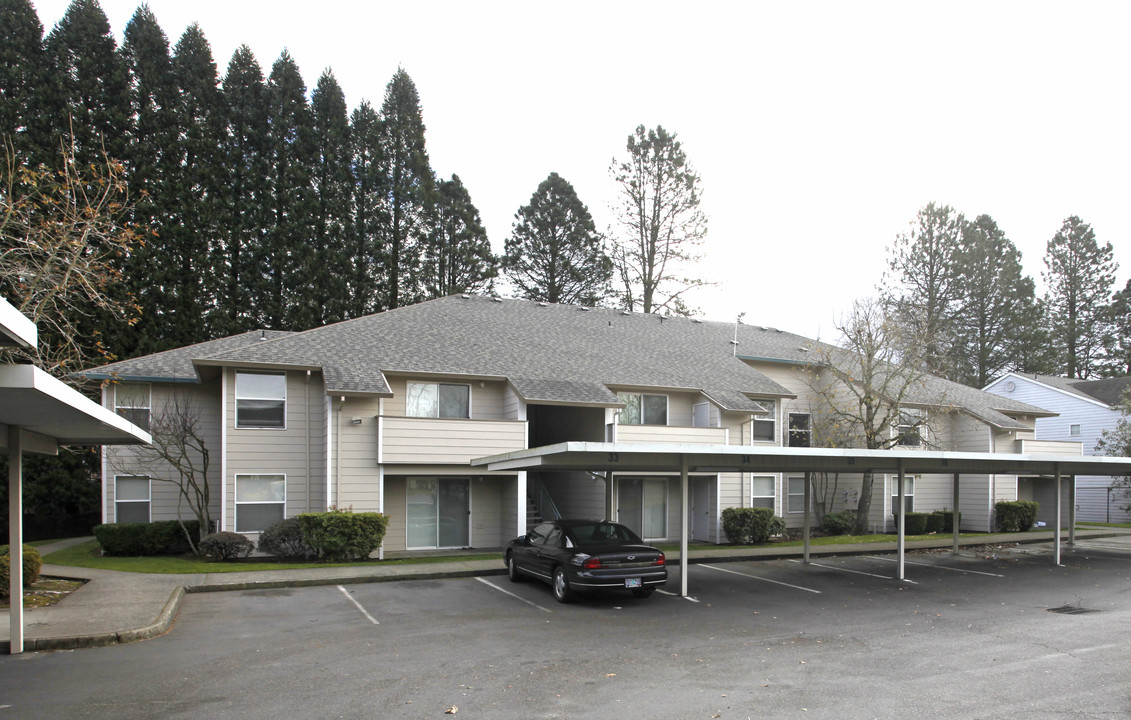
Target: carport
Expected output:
[686,459]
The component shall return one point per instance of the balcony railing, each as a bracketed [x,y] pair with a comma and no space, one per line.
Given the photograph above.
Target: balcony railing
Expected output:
[670,434]
[433,441]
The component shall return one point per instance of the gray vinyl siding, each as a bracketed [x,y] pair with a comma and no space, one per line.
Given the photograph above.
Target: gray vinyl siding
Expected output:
[576,494]
[163,487]
[356,477]
[282,451]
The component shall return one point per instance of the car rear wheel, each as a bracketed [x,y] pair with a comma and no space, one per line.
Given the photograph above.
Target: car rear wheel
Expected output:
[563,593]
[643,592]
[512,569]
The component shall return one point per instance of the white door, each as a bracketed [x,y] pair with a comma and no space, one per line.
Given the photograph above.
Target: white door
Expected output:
[701,509]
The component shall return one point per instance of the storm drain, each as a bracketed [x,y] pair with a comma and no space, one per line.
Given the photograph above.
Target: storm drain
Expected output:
[1070,610]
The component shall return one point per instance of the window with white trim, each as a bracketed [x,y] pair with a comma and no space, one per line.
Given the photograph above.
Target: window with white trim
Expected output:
[762,491]
[132,500]
[765,421]
[795,501]
[800,430]
[911,429]
[643,409]
[1074,429]
[261,400]
[438,400]
[908,494]
[132,401]
[261,501]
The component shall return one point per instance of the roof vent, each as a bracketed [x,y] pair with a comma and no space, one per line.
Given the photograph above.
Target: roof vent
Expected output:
[803,348]
[497,299]
[465,297]
[733,342]
[625,312]
[697,320]
[543,304]
[262,334]
[583,309]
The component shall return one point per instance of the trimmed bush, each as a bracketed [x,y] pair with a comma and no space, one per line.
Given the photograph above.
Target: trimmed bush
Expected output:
[32,563]
[226,546]
[338,535]
[947,520]
[934,523]
[1016,515]
[749,526]
[151,538]
[840,523]
[777,526]
[284,539]
[915,524]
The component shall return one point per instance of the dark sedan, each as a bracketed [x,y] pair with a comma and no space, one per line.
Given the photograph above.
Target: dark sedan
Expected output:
[583,555]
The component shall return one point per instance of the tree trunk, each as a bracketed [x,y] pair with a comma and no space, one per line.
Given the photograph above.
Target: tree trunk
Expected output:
[863,509]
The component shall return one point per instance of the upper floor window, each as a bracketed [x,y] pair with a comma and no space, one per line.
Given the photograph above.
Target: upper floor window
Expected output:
[910,428]
[765,421]
[261,400]
[1074,429]
[131,401]
[443,400]
[800,430]
[643,409]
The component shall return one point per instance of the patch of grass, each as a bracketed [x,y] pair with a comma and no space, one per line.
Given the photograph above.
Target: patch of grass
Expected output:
[45,592]
[818,541]
[89,555]
[1099,524]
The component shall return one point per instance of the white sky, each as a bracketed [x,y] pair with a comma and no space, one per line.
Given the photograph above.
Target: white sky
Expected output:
[819,128]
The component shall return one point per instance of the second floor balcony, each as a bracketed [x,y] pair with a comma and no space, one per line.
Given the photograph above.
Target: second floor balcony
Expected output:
[432,441]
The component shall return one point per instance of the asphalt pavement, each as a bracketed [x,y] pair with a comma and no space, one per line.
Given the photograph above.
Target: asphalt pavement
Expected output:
[117,607]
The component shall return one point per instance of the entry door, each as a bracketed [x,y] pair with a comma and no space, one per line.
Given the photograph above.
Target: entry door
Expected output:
[701,505]
[630,504]
[438,515]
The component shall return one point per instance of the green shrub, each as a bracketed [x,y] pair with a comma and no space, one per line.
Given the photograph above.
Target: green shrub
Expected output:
[947,520]
[339,535]
[750,526]
[226,546]
[777,526]
[934,523]
[151,538]
[1016,515]
[284,539]
[32,564]
[840,523]
[915,524]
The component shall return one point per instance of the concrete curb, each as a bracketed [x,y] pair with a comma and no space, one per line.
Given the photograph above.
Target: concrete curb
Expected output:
[318,582]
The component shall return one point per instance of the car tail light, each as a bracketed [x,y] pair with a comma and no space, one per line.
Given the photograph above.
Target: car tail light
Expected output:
[661,560]
[592,563]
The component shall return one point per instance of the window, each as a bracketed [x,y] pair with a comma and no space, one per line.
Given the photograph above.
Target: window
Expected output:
[910,428]
[762,491]
[1074,429]
[800,433]
[642,409]
[261,400]
[765,421]
[908,494]
[131,498]
[642,505]
[260,501]
[796,499]
[131,401]
[442,400]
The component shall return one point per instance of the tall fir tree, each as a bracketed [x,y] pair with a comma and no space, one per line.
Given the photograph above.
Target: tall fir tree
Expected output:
[245,198]
[409,184]
[94,107]
[288,249]
[328,268]
[27,86]
[554,253]
[366,289]
[457,258]
[1079,276]
[1117,353]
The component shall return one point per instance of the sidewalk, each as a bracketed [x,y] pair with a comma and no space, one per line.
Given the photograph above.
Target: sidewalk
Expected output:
[118,607]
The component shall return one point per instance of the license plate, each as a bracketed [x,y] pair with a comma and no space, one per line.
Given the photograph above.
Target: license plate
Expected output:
[632,582]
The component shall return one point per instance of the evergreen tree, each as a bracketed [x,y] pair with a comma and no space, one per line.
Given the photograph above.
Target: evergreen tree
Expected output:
[244,202]
[329,269]
[94,105]
[554,253]
[370,216]
[1079,276]
[996,303]
[409,184]
[26,85]
[458,256]
[288,249]
[1117,354]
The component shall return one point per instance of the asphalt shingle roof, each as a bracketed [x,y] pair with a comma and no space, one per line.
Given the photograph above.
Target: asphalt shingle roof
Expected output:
[176,365]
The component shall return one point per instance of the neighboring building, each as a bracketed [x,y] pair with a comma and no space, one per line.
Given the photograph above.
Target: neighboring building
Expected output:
[385,412]
[1085,409]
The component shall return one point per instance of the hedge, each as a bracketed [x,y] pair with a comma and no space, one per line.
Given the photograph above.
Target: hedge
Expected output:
[750,526]
[151,538]
[284,539]
[947,520]
[934,523]
[226,546]
[338,535]
[841,523]
[32,563]
[1015,515]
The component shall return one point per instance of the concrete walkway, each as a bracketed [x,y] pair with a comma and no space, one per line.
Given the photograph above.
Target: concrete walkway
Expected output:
[117,607]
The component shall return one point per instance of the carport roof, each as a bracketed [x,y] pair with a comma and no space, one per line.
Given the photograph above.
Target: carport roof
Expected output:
[669,457]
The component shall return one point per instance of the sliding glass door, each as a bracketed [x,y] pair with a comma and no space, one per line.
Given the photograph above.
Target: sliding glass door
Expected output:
[438,513]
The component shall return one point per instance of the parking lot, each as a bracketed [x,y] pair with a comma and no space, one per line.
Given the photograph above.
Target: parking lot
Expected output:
[996,633]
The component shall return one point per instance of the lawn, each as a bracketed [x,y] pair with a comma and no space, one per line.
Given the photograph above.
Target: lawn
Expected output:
[89,555]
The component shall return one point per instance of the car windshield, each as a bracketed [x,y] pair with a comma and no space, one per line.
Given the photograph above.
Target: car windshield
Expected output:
[603,534]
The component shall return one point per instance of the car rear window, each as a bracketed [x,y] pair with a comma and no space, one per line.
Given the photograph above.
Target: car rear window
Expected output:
[603,533]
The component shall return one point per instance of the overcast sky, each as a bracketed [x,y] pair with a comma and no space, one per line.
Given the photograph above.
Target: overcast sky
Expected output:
[819,128]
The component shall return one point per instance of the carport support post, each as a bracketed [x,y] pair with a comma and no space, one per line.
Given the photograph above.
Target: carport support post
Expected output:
[1071,510]
[683,526]
[900,539]
[15,542]
[805,521]
[1056,527]
[954,512]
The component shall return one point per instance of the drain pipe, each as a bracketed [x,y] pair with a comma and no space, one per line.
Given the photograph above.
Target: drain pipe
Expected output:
[306,399]
[338,456]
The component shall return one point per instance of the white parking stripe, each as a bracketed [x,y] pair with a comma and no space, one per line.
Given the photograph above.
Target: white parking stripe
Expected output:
[940,567]
[358,605]
[763,579]
[854,572]
[668,592]
[516,597]
[1124,548]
